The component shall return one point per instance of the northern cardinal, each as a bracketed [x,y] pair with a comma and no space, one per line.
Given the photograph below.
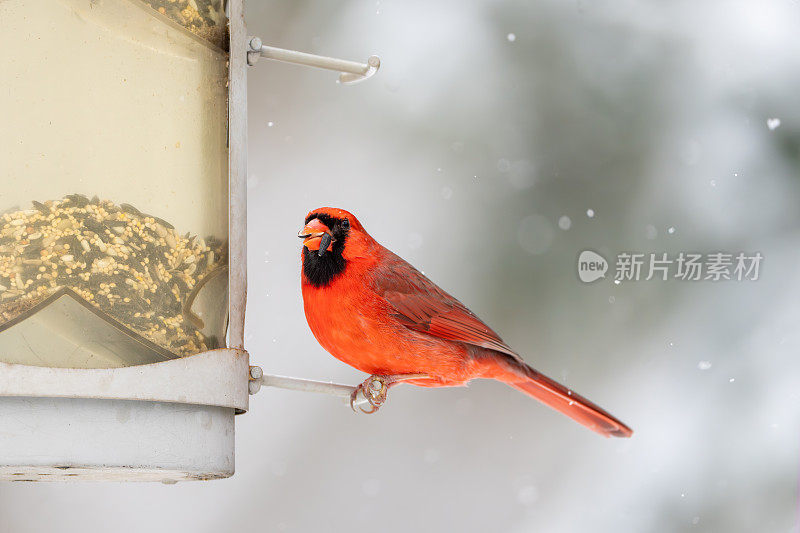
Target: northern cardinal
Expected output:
[374,311]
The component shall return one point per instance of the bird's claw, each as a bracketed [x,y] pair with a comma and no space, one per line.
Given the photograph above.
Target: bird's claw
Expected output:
[375,390]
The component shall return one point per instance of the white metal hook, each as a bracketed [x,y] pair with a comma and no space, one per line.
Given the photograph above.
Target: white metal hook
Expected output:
[349,71]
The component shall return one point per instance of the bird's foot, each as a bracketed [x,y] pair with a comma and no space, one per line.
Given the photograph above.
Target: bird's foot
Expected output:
[375,389]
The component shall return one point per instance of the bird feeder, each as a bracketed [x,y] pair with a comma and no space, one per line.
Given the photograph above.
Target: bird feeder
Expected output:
[122,236]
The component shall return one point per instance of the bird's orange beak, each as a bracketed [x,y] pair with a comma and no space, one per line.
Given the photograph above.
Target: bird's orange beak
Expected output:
[314,233]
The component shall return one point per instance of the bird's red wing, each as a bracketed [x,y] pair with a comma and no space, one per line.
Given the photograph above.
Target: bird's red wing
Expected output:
[420,304]
[417,303]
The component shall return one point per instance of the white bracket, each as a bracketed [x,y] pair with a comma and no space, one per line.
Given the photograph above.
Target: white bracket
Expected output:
[349,71]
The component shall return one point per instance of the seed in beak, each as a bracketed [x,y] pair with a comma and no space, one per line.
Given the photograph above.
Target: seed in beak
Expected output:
[324,243]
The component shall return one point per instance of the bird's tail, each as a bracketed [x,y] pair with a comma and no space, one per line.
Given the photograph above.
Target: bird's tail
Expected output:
[517,374]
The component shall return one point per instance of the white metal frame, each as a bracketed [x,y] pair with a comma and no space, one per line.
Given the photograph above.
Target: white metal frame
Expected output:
[237,173]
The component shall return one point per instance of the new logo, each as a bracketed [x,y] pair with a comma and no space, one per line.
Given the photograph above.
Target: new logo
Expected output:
[591,266]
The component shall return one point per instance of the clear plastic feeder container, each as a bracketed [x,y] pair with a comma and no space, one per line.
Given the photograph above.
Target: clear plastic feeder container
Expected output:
[114,164]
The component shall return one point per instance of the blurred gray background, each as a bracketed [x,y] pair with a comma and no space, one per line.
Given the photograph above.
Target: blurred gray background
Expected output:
[487,124]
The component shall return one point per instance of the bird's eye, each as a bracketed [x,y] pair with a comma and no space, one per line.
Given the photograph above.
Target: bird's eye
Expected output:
[345,223]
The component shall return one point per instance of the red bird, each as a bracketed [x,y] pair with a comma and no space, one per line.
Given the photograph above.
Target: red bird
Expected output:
[374,311]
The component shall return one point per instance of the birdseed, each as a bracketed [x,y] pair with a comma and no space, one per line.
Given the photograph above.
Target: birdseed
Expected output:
[204,18]
[130,265]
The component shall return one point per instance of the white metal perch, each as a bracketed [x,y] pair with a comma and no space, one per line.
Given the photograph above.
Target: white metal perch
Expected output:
[350,71]
[345,392]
